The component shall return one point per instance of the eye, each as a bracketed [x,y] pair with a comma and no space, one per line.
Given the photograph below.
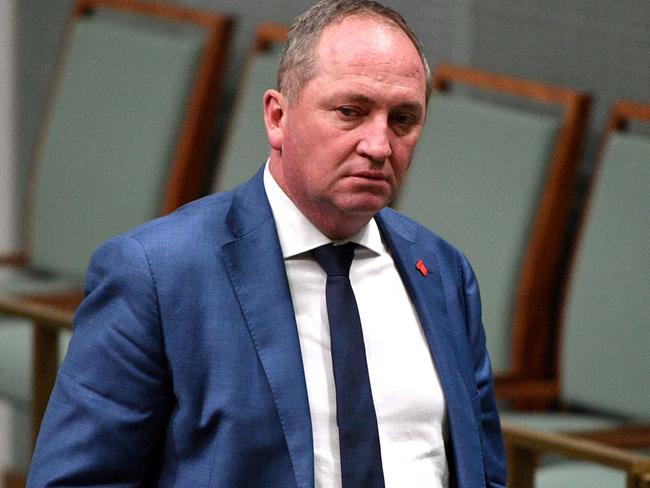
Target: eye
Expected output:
[404,122]
[405,119]
[347,112]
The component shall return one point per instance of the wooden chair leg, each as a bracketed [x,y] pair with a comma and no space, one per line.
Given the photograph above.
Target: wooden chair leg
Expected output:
[13,479]
[521,466]
[638,480]
[645,480]
[45,363]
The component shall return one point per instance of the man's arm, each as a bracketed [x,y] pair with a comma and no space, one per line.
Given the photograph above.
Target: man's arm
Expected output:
[491,440]
[105,422]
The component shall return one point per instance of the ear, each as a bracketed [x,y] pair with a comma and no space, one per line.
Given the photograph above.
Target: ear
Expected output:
[274,113]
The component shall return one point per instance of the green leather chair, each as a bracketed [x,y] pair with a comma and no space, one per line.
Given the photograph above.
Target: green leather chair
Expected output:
[125,138]
[605,364]
[246,145]
[493,173]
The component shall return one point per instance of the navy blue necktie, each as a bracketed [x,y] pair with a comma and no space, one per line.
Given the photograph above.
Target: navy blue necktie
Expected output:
[355,412]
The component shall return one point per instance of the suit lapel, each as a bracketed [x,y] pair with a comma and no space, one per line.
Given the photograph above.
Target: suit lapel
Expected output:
[428,296]
[256,268]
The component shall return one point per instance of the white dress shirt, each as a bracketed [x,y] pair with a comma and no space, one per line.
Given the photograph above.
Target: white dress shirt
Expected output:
[406,390]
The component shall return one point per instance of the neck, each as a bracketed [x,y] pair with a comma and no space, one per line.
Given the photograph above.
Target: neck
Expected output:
[334,223]
[334,228]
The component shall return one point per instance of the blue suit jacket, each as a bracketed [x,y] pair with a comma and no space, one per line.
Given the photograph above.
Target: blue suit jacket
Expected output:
[185,370]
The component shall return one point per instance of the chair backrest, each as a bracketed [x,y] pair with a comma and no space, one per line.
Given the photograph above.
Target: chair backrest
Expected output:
[246,145]
[128,124]
[495,177]
[605,361]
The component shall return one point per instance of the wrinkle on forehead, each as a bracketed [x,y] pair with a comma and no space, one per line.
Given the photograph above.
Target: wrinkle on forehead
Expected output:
[370,47]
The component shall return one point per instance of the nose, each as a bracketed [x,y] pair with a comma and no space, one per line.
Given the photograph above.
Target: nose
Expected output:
[375,141]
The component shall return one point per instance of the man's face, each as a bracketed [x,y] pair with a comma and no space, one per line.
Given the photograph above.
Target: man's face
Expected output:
[342,148]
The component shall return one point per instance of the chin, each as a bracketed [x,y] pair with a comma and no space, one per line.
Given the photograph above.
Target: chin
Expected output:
[365,206]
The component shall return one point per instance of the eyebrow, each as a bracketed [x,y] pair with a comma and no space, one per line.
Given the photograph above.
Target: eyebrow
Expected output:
[357,98]
[365,100]
[411,107]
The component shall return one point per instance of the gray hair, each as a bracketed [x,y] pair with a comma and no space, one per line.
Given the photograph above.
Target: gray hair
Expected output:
[298,62]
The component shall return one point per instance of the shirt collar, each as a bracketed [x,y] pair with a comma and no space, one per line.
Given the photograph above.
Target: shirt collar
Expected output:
[298,235]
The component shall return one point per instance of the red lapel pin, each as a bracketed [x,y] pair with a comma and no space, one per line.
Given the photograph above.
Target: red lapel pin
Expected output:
[421,268]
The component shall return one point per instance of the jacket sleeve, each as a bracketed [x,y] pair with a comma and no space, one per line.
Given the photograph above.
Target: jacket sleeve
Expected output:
[106,419]
[490,429]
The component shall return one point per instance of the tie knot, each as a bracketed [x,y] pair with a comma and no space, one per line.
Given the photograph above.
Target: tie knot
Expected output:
[335,260]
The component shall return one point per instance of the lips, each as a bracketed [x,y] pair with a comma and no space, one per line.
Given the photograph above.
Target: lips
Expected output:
[371,175]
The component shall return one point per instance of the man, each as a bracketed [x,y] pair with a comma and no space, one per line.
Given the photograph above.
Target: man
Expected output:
[205,351]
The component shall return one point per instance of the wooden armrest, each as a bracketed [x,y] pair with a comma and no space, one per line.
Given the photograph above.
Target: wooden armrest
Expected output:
[14,259]
[14,479]
[569,446]
[629,436]
[268,33]
[643,481]
[49,314]
[524,445]
[51,311]
[527,394]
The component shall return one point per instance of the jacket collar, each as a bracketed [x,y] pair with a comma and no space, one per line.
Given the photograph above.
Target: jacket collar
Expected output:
[256,268]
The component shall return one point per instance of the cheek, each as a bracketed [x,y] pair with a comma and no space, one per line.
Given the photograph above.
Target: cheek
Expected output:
[406,147]
[401,161]
[311,151]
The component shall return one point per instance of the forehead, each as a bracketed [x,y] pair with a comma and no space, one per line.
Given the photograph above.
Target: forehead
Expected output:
[369,47]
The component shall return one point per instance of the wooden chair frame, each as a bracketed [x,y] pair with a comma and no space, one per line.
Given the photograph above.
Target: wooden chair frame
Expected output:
[547,392]
[622,113]
[267,34]
[190,155]
[53,313]
[534,364]
[609,447]
[523,447]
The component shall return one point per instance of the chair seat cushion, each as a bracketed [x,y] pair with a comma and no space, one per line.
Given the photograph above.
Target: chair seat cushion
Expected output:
[16,359]
[559,422]
[578,475]
[15,436]
[19,281]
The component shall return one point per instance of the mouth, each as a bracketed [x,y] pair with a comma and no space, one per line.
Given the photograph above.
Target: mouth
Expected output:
[370,175]
[371,182]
